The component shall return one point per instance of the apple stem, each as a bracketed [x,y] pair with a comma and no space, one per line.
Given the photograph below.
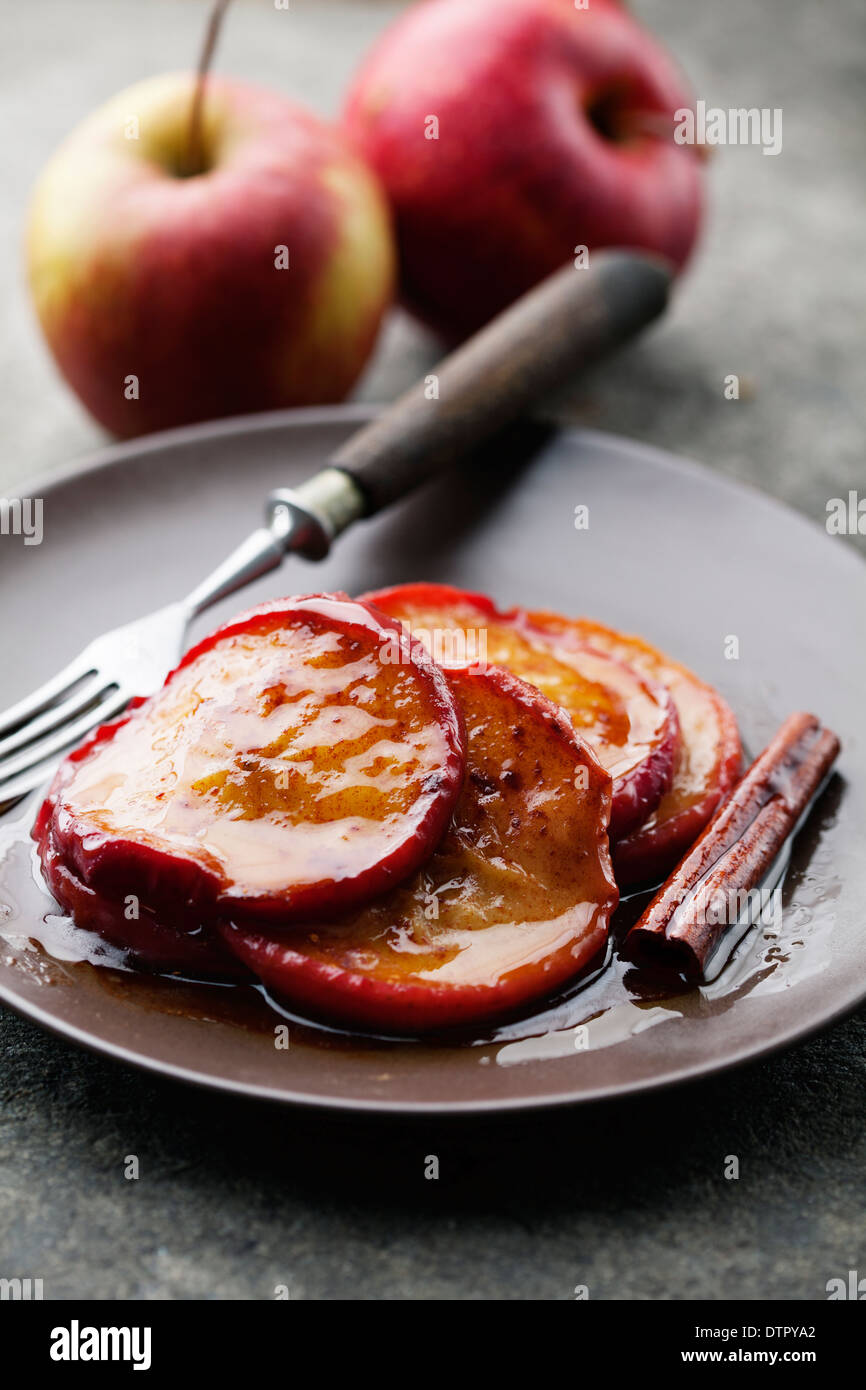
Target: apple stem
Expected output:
[194,157]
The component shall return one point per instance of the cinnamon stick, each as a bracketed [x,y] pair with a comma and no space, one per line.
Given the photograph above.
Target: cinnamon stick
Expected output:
[691,912]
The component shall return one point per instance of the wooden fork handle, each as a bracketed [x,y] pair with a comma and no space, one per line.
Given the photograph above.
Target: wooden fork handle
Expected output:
[538,345]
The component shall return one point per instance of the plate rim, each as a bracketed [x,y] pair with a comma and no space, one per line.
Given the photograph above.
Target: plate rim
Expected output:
[440,1109]
[110,454]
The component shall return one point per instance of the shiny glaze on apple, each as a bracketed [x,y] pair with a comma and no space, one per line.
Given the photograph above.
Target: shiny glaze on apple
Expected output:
[629,721]
[515,900]
[708,756]
[284,767]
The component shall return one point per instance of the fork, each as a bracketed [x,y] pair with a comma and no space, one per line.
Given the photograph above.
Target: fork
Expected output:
[571,320]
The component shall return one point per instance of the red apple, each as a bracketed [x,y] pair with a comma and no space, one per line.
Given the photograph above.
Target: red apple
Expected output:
[165,297]
[508,133]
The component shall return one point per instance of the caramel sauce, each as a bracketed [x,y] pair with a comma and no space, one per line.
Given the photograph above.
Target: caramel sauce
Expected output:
[612,1000]
[289,757]
[701,745]
[521,881]
[608,703]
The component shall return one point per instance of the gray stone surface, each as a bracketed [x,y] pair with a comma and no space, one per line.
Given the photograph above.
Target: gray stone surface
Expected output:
[629,1199]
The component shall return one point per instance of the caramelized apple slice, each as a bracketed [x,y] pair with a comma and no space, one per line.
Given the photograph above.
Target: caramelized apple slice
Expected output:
[152,940]
[707,762]
[301,759]
[630,722]
[514,902]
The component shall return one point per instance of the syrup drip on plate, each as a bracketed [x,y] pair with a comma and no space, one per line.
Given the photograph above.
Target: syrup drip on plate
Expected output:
[613,1002]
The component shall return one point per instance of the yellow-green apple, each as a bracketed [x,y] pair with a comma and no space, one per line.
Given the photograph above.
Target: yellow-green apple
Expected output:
[256,282]
[511,133]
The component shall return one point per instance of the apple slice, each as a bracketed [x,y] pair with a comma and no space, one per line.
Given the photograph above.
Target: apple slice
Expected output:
[513,903]
[707,761]
[153,941]
[299,760]
[629,721]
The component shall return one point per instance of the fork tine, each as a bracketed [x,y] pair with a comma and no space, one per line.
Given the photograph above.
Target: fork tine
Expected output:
[13,791]
[36,754]
[20,786]
[40,699]
[85,694]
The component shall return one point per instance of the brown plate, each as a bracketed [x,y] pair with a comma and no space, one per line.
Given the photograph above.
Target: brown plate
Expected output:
[678,554]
